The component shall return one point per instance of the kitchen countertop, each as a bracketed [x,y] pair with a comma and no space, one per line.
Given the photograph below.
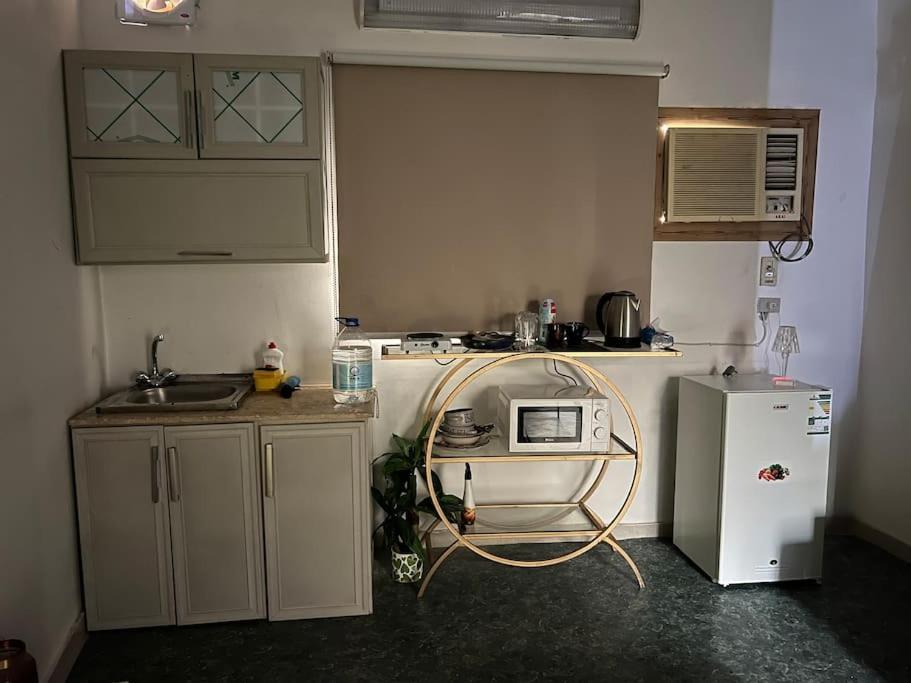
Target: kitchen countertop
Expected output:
[309,405]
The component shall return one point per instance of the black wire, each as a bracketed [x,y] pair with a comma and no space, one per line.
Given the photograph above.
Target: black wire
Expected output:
[570,378]
[802,237]
[450,362]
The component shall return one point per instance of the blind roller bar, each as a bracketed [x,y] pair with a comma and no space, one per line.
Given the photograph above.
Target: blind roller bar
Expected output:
[657,70]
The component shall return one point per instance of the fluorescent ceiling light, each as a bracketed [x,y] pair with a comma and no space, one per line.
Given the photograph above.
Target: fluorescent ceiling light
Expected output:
[579,18]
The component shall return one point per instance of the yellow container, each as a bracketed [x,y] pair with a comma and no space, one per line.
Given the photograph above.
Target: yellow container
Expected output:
[267,379]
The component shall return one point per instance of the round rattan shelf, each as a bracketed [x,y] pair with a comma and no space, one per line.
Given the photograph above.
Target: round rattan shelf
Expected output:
[600,532]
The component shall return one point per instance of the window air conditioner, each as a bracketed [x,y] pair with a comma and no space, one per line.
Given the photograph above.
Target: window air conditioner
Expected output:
[734,174]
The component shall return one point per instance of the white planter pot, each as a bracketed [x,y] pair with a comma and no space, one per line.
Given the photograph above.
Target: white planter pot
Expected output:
[406,567]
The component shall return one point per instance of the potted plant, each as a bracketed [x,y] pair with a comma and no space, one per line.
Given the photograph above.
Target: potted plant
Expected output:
[401,508]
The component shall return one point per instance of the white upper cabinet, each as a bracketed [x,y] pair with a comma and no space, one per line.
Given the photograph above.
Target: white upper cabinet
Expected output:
[130,105]
[209,158]
[154,105]
[258,107]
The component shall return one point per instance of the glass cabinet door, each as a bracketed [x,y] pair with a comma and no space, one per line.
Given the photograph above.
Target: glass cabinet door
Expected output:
[258,107]
[130,105]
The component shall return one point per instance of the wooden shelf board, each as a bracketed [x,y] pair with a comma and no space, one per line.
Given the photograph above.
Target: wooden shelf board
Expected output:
[395,353]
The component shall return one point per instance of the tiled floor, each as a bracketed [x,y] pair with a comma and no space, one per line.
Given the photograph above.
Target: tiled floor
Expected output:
[584,620]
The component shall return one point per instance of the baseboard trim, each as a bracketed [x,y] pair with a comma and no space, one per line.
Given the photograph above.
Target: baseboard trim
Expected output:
[881,539]
[75,641]
[441,537]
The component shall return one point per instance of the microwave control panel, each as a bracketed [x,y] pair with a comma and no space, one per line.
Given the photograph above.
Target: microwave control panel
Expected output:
[601,425]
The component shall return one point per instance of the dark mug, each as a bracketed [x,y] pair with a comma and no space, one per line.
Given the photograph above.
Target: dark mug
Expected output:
[575,333]
[555,335]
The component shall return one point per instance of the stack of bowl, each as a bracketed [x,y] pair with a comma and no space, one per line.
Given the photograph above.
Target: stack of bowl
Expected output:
[458,428]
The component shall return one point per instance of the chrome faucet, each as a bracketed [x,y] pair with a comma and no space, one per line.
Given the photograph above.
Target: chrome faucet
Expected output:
[155,377]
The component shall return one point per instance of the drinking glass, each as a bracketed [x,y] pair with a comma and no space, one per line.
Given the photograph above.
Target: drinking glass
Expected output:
[526,329]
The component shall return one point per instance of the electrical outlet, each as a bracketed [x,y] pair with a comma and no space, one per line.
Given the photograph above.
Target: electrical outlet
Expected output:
[768,271]
[768,304]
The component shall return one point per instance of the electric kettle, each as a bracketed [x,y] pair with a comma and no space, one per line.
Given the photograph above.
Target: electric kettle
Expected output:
[620,323]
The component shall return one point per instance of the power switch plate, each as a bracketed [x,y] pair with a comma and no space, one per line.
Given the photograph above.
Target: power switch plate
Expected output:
[768,271]
[768,304]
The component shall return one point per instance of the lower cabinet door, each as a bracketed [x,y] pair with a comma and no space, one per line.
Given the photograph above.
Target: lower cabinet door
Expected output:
[316,520]
[121,499]
[216,523]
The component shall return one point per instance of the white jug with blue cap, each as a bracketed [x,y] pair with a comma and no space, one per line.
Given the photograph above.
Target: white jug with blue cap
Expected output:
[352,364]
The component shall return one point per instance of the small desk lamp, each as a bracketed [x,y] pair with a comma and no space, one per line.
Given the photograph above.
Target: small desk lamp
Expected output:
[785,344]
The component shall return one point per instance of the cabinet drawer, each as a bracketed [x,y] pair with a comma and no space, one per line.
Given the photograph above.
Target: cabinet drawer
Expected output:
[145,211]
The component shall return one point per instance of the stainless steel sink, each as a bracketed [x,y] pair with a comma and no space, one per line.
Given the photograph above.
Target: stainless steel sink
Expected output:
[185,393]
[189,392]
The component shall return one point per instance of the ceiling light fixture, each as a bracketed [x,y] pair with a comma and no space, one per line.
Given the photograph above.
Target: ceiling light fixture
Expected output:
[157,12]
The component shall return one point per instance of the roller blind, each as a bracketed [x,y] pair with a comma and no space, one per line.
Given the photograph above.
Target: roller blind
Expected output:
[466,196]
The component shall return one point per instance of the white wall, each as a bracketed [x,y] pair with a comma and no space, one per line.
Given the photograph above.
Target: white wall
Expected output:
[50,333]
[879,476]
[290,303]
[823,56]
[722,52]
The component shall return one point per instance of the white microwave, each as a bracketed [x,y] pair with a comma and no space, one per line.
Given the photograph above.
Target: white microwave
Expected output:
[554,418]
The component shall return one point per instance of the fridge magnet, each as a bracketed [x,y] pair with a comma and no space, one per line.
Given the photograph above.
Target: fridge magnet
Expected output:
[774,473]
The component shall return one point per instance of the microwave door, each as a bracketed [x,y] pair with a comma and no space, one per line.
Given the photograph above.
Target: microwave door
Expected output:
[549,424]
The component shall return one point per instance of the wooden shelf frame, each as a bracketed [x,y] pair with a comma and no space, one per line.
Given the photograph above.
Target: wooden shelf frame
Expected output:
[806,119]
[600,531]
[495,453]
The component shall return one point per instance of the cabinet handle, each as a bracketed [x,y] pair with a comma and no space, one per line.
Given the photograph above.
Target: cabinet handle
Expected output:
[156,483]
[202,119]
[189,119]
[269,482]
[205,253]
[173,478]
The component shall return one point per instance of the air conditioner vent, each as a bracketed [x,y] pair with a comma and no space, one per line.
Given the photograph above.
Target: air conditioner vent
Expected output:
[734,174]
[712,174]
[582,18]
[781,159]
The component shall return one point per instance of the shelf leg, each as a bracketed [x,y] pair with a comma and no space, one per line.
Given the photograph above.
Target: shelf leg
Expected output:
[612,542]
[436,565]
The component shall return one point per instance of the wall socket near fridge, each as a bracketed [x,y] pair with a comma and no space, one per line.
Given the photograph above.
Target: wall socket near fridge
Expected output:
[768,271]
[768,304]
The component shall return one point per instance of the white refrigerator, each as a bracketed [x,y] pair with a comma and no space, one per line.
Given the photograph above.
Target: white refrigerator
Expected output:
[752,470]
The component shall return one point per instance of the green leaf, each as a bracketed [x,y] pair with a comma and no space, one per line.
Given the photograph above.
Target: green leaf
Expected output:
[397,463]
[423,434]
[451,506]
[409,538]
[447,500]
[380,500]
[404,445]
